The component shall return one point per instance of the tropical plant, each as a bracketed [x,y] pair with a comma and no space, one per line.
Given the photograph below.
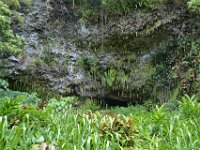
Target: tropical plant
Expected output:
[194,5]
[16,4]
[110,77]
[189,107]
[24,127]
[9,42]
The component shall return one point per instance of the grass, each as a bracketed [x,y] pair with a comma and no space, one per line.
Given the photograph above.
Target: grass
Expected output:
[134,127]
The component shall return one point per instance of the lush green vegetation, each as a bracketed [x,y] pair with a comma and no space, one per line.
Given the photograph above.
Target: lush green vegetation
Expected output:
[8,41]
[64,125]
[30,122]
[16,4]
[194,5]
[101,9]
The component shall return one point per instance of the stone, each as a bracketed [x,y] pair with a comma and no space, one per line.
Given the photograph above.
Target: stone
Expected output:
[75,58]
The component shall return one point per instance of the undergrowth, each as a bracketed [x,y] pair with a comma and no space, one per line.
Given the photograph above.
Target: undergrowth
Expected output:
[67,125]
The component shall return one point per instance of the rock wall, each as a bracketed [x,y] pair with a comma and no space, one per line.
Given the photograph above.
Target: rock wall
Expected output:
[108,61]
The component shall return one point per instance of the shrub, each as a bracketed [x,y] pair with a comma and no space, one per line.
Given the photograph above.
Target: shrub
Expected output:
[189,107]
[9,42]
[194,5]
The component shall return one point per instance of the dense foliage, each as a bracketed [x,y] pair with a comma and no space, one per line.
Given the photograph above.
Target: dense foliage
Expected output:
[29,122]
[101,9]
[194,5]
[9,42]
[62,126]
[16,4]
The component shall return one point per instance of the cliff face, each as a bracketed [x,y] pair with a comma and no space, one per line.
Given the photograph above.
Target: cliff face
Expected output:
[118,59]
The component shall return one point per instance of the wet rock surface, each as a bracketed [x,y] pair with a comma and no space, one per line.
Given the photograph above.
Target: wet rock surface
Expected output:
[111,61]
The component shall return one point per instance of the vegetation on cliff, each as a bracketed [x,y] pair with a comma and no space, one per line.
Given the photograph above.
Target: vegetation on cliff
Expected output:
[102,9]
[31,122]
[194,5]
[8,41]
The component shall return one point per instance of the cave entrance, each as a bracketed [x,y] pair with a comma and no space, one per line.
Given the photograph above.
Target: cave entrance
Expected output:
[113,103]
